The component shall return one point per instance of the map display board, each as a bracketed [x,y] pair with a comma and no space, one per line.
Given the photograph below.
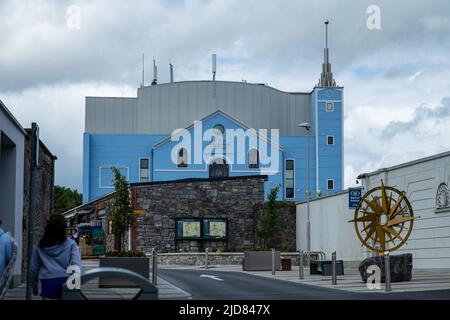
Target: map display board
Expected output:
[214,228]
[188,228]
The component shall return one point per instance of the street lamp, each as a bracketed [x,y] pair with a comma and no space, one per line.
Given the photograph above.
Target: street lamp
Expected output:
[307,126]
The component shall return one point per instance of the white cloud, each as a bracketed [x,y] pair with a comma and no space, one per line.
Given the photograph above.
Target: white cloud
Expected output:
[48,69]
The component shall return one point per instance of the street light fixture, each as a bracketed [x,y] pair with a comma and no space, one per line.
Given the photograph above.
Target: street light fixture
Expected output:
[307,126]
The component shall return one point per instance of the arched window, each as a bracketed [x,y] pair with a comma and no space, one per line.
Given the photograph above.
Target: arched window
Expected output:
[182,158]
[219,128]
[218,168]
[253,158]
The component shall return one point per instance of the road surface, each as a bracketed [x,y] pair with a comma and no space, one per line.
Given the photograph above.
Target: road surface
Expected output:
[226,285]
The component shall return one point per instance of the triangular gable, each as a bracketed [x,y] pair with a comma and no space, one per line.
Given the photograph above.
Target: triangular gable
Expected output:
[220,112]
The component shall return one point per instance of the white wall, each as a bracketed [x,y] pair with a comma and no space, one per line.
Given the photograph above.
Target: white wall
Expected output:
[12,215]
[430,239]
[330,229]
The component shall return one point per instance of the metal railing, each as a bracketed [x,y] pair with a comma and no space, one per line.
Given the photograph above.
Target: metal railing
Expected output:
[6,277]
[148,291]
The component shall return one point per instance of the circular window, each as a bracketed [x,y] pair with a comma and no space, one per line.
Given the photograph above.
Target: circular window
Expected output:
[219,128]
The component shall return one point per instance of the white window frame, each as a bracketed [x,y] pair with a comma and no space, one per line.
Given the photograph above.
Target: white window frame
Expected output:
[334,184]
[330,144]
[284,182]
[139,165]
[253,165]
[109,167]
[332,106]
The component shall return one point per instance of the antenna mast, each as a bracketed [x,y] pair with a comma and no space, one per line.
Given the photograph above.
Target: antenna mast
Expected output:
[214,66]
[155,73]
[143,68]
[171,71]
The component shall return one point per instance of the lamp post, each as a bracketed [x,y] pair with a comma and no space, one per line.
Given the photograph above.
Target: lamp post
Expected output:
[307,126]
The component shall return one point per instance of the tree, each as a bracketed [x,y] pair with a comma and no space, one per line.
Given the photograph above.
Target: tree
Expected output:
[268,225]
[66,199]
[122,213]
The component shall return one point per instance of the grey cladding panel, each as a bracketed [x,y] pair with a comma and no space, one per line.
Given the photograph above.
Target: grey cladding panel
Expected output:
[162,108]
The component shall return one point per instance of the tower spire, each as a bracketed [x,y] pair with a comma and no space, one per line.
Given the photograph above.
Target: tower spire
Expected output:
[326,77]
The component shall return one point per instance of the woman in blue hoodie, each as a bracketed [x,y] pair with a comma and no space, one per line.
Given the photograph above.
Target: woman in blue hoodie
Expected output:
[50,260]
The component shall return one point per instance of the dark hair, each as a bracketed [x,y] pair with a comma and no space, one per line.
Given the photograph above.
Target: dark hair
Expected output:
[55,231]
[0,222]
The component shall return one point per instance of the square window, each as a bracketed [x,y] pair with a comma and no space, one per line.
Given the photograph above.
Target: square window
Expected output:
[330,184]
[289,164]
[144,163]
[330,140]
[330,107]
[289,193]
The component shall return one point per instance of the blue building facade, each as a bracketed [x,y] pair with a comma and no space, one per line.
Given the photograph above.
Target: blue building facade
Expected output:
[201,129]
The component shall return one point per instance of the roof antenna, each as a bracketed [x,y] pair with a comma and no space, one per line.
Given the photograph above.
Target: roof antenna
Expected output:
[326,77]
[155,72]
[214,66]
[171,71]
[143,74]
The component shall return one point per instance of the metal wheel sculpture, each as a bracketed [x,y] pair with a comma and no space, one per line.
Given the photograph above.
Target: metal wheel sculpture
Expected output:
[383,219]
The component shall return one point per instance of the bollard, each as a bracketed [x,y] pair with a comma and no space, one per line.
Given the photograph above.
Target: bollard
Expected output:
[333,269]
[387,272]
[300,265]
[308,261]
[154,267]
[206,258]
[273,261]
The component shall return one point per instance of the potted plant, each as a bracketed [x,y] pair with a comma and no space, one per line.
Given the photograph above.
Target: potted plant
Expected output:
[122,219]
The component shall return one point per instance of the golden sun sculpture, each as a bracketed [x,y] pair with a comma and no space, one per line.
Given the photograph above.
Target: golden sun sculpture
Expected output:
[383,219]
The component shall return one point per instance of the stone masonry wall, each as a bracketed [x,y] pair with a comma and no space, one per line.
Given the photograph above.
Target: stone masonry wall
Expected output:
[234,199]
[43,190]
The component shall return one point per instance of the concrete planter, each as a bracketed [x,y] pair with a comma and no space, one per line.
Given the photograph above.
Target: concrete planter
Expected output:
[260,261]
[140,265]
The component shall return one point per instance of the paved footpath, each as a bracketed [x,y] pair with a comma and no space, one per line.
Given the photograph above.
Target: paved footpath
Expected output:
[93,292]
[351,281]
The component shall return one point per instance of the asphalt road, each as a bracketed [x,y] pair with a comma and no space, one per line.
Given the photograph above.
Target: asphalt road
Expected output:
[225,285]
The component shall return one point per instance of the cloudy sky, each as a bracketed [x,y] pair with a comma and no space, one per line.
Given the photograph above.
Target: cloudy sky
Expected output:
[396,78]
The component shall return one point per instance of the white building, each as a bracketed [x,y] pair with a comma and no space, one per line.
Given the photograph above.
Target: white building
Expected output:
[425,182]
[12,142]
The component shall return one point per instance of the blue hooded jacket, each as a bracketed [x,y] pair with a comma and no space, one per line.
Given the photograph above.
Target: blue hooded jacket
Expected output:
[5,250]
[52,262]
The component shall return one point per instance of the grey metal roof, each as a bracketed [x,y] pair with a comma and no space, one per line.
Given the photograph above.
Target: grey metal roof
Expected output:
[161,108]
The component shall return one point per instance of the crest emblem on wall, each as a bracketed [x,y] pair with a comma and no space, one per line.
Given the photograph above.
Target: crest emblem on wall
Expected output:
[442,197]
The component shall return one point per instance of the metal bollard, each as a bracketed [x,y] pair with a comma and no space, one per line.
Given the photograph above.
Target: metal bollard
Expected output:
[333,269]
[308,261]
[300,265]
[273,261]
[387,272]
[206,258]
[154,267]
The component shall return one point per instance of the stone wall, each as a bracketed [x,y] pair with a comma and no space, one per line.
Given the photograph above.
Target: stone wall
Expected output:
[43,190]
[224,258]
[232,198]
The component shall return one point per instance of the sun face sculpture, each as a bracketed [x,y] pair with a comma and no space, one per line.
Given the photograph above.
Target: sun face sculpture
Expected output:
[383,219]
